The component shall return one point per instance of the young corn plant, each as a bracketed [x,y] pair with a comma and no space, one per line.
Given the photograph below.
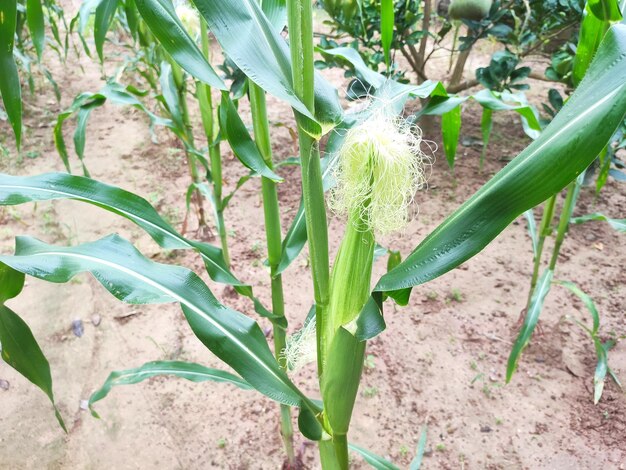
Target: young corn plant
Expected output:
[595,21]
[376,162]
[24,39]
[168,82]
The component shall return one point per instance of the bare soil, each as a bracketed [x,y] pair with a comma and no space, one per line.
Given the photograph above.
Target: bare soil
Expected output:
[440,363]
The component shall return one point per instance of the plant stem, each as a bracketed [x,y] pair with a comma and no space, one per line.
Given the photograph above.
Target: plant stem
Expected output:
[300,22]
[566,214]
[211,130]
[191,159]
[341,450]
[273,236]
[328,455]
[543,232]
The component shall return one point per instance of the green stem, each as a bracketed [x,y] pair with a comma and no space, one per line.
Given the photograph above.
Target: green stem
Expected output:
[543,232]
[341,450]
[300,23]
[191,159]
[566,214]
[328,455]
[211,130]
[273,236]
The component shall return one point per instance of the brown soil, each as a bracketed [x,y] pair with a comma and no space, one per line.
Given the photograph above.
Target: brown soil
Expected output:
[440,363]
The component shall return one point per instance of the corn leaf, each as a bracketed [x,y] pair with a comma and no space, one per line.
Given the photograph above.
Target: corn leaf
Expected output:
[617,224]
[19,190]
[11,283]
[21,351]
[592,31]
[374,460]
[386,28]
[253,43]
[506,101]
[564,149]
[388,90]
[185,370]
[105,12]
[238,137]
[421,447]
[532,229]
[530,321]
[606,10]
[10,88]
[85,103]
[276,13]
[233,337]
[451,129]
[587,300]
[169,92]
[486,125]
[36,24]
[19,347]
[160,16]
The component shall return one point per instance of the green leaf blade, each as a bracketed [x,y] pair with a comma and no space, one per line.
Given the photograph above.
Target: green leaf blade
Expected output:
[36,24]
[10,88]
[387,21]
[161,18]
[233,337]
[451,129]
[564,149]
[238,137]
[21,351]
[18,190]
[530,322]
[185,370]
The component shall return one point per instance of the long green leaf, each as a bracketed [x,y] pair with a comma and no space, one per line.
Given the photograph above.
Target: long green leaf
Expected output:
[276,12]
[387,21]
[486,125]
[506,101]
[421,447]
[233,337]
[450,130]
[391,88]
[36,24]
[11,283]
[532,229]
[160,16]
[617,224]
[104,18]
[253,43]
[169,92]
[238,137]
[21,351]
[19,190]
[84,104]
[530,322]
[374,460]
[10,88]
[592,31]
[606,10]
[586,299]
[185,370]
[565,148]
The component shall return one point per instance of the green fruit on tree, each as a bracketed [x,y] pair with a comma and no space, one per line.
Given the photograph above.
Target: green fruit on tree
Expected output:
[469,9]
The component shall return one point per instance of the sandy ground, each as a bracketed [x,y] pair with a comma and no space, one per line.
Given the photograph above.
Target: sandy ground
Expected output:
[440,363]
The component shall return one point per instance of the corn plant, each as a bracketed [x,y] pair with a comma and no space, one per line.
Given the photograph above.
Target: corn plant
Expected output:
[376,160]
[24,39]
[596,21]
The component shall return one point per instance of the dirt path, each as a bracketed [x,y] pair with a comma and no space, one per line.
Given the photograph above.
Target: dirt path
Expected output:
[441,361]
